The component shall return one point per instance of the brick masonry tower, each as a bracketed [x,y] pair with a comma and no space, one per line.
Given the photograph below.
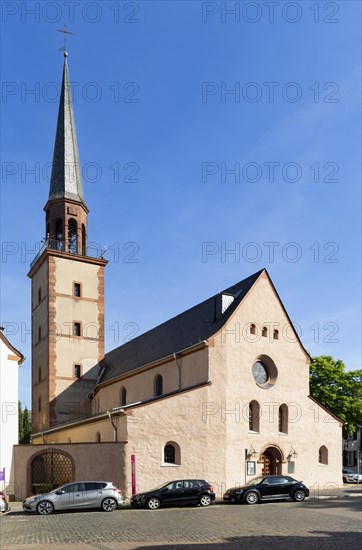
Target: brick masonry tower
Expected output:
[67,293]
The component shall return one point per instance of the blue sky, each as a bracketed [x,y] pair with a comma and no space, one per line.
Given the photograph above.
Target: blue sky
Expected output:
[153,102]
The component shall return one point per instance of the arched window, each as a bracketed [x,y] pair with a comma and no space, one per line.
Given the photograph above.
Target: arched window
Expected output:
[172,453]
[98,437]
[283,419]
[59,235]
[254,416]
[84,241]
[252,329]
[264,332]
[72,236]
[158,385]
[122,396]
[276,334]
[323,455]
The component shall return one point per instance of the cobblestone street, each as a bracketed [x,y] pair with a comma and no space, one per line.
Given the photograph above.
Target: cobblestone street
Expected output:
[314,524]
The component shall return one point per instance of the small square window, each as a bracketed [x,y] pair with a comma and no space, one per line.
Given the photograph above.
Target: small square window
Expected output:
[77,371]
[76,329]
[77,290]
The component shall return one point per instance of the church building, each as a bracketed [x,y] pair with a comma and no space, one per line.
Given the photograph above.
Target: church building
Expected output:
[219,392]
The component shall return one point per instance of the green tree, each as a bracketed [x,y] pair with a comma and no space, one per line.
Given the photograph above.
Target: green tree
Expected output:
[338,389]
[20,420]
[24,425]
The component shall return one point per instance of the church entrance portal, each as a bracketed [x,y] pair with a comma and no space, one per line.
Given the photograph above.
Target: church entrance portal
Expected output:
[272,462]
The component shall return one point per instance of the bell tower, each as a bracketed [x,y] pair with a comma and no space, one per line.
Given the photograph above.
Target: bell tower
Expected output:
[67,289]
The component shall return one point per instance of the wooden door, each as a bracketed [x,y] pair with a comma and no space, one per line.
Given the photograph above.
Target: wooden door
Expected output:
[266,465]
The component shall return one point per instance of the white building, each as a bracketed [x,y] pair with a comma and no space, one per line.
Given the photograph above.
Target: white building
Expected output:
[10,360]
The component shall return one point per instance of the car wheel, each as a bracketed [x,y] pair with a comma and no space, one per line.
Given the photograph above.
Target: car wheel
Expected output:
[205,500]
[299,495]
[109,504]
[45,508]
[252,498]
[153,503]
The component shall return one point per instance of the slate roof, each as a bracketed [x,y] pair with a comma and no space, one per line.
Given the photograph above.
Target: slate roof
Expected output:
[190,327]
[66,180]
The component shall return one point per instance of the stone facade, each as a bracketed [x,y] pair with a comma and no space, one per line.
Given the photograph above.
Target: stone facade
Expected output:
[204,411]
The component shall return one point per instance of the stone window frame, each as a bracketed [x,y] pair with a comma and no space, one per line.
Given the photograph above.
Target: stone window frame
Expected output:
[176,450]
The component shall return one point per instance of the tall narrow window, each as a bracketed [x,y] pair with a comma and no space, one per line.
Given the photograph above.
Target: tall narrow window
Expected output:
[72,236]
[158,385]
[59,236]
[39,374]
[276,334]
[76,329]
[84,241]
[283,419]
[264,332]
[39,334]
[39,404]
[39,295]
[77,371]
[77,290]
[123,396]
[98,437]
[323,455]
[254,416]
[252,329]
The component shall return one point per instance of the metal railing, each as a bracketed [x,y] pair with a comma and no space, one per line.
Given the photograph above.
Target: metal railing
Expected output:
[93,251]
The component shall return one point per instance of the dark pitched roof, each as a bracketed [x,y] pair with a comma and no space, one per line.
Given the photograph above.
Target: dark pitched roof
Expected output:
[66,179]
[189,328]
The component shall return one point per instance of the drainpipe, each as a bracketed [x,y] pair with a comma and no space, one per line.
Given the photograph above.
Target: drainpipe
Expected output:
[179,370]
[113,425]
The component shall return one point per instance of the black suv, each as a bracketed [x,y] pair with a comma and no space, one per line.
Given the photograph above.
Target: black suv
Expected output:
[182,491]
[268,488]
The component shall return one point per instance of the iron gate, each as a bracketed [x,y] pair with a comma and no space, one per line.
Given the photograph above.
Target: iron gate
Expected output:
[49,470]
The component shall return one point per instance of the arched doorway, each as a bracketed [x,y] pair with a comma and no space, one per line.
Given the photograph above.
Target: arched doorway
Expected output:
[272,461]
[50,469]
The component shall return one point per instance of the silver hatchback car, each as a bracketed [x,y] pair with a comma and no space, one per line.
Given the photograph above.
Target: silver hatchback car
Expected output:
[76,496]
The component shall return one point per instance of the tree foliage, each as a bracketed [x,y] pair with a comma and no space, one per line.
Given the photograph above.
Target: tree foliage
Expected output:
[24,425]
[338,389]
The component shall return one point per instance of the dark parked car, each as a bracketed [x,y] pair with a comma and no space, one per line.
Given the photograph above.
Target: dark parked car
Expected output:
[182,491]
[268,488]
[350,476]
[76,496]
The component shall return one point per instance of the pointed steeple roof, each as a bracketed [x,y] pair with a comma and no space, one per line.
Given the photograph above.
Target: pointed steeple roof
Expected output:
[66,180]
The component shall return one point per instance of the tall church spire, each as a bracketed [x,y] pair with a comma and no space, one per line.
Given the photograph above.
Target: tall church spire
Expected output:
[66,180]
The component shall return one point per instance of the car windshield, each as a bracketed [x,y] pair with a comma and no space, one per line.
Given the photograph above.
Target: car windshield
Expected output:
[254,481]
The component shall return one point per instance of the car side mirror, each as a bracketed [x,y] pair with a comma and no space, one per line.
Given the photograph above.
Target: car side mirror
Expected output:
[60,492]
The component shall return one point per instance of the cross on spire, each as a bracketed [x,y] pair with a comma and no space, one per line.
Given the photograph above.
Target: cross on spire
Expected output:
[65,32]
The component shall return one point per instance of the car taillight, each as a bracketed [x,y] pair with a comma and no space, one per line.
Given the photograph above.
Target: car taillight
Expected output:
[211,488]
[119,490]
